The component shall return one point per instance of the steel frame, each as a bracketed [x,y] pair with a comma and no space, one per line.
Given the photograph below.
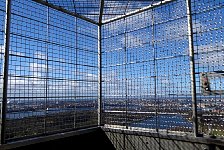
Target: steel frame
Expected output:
[66,11]
[100,64]
[5,70]
[139,11]
[100,23]
[192,68]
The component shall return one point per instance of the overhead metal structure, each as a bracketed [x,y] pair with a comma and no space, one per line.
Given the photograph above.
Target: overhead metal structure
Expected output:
[90,10]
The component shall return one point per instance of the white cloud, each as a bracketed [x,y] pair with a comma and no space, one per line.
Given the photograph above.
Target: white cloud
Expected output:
[90,76]
[40,55]
[2,48]
[38,70]
[211,54]
[11,52]
[133,40]
[115,84]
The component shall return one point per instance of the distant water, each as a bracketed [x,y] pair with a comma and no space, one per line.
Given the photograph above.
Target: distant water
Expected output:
[164,122]
[23,114]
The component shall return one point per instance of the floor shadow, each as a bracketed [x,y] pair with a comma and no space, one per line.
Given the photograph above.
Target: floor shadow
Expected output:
[93,140]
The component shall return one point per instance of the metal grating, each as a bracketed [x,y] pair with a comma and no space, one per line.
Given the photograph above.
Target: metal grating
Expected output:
[2,50]
[87,8]
[91,8]
[146,71]
[52,72]
[113,8]
[209,49]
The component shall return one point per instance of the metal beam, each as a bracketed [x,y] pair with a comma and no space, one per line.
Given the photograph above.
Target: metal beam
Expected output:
[5,70]
[99,75]
[100,64]
[101,11]
[138,11]
[66,11]
[192,68]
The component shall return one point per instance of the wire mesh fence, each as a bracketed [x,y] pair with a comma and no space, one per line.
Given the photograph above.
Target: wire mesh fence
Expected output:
[2,26]
[90,8]
[87,8]
[52,83]
[208,41]
[146,73]
[146,69]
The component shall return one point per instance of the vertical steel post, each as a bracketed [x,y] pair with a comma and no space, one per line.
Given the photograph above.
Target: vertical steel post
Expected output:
[125,74]
[155,70]
[192,68]
[99,76]
[47,73]
[76,68]
[5,70]
[100,64]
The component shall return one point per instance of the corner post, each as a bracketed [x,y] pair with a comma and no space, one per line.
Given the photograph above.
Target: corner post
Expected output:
[192,68]
[99,76]
[5,69]
[100,64]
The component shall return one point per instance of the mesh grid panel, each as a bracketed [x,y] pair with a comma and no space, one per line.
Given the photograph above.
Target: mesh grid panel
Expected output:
[2,50]
[146,72]
[87,8]
[208,41]
[52,72]
[91,8]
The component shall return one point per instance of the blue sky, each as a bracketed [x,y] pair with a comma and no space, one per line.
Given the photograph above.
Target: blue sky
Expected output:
[30,37]
[34,50]
[171,46]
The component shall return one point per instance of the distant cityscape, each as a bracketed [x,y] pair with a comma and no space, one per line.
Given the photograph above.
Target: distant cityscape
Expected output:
[210,110]
[169,104]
